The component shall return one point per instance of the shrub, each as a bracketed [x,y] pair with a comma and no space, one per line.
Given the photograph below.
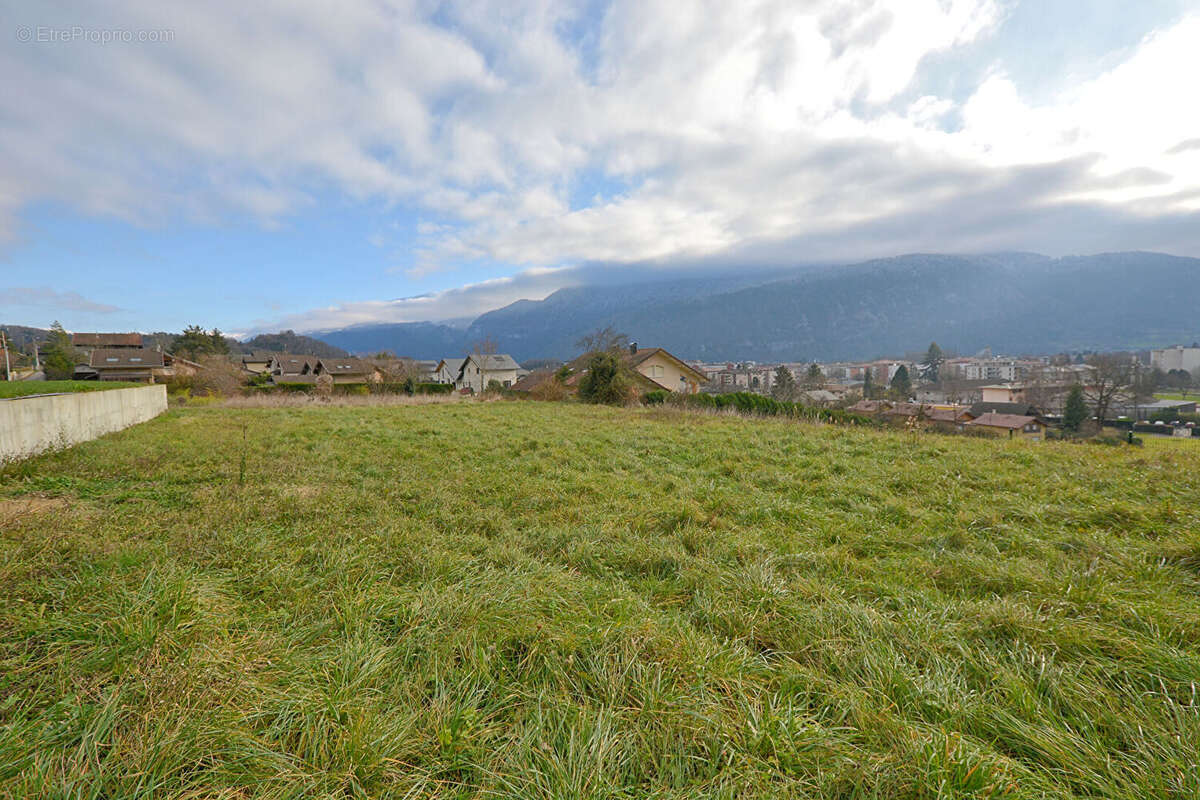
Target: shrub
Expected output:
[760,405]
[551,389]
[656,397]
[217,375]
[605,381]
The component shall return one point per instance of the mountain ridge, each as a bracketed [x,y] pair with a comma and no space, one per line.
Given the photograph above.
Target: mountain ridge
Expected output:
[1017,302]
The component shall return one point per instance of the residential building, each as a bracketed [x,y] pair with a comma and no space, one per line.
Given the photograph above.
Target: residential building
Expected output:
[1176,358]
[1004,393]
[425,370]
[1011,426]
[106,341]
[1147,410]
[665,370]
[1019,409]
[121,364]
[289,365]
[477,371]
[256,363]
[346,370]
[447,370]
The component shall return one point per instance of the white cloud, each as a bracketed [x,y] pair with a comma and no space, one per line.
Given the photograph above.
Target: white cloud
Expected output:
[45,297]
[771,127]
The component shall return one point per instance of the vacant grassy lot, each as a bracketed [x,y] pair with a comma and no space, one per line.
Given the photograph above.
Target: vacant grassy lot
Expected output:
[23,388]
[533,600]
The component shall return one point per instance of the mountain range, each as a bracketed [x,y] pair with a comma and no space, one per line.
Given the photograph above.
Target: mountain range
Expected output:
[1010,302]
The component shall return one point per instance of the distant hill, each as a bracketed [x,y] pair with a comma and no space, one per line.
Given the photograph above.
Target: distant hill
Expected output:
[289,342]
[21,336]
[1011,302]
[425,340]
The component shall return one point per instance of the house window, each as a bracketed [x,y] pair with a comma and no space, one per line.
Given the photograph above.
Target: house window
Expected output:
[656,371]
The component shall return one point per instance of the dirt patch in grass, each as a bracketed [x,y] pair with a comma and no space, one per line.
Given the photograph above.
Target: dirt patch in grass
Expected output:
[12,509]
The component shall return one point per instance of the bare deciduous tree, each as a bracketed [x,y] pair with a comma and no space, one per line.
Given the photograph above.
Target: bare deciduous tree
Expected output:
[604,340]
[1111,377]
[480,351]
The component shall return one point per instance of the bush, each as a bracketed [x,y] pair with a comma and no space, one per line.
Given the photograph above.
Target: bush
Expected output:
[551,389]
[1167,415]
[760,405]
[605,381]
[656,397]
[217,376]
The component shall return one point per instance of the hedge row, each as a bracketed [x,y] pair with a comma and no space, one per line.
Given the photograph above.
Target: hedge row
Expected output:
[759,405]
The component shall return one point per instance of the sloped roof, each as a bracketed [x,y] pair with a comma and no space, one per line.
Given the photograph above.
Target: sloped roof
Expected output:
[868,407]
[291,363]
[344,366]
[527,383]
[645,353]
[1020,409]
[946,414]
[493,362]
[140,358]
[1010,421]
[106,339]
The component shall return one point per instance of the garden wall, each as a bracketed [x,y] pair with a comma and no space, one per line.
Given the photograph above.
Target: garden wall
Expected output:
[30,425]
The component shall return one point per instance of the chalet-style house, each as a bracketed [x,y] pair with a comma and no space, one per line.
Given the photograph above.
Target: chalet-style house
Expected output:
[347,370]
[653,369]
[664,370]
[117,364]
[106,341]
[1011,426]
[909,415]
[289,365]
[257,363]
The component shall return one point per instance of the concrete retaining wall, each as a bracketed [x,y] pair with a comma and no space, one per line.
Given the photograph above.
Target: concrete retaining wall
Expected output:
[30,425]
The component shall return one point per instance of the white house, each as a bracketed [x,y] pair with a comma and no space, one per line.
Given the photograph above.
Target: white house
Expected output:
[447,370]
[477,371]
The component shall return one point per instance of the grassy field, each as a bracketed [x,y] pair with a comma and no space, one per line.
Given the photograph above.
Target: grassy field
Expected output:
[23,388]
[532,600]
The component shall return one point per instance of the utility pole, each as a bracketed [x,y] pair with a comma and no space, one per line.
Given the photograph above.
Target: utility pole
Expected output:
[7,366]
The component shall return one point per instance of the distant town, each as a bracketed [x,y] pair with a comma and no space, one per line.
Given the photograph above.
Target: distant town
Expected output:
[1151,392]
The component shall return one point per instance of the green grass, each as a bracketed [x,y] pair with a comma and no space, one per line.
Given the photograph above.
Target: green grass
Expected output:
[1191,395]
[532,600]
[23,388]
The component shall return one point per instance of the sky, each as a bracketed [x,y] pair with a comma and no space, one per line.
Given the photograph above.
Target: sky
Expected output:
[297,164]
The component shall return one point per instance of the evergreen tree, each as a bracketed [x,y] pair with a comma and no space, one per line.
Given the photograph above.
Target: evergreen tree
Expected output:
[868,384]
[902,384]
[1076,411]
[58,355]
[605,380]
[814,377]
[785,384]
[931,365]
[195,342]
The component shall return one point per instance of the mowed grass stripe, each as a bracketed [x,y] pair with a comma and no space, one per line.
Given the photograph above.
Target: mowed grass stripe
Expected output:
[549,600]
